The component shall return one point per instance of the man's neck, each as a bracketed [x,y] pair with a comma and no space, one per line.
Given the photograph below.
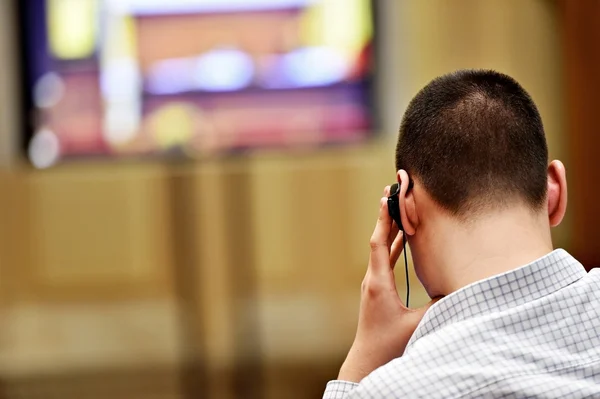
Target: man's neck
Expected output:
[491,246]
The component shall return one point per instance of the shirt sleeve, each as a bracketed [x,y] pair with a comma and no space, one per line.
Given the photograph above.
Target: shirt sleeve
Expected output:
[338,389]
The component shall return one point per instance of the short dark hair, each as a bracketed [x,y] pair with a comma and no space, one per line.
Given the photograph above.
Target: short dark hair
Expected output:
[475,140]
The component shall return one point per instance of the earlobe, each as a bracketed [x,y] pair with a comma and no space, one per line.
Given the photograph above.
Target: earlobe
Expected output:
[557,193]
[408,210]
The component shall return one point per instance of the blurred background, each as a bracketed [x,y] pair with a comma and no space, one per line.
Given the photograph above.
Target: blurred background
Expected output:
[187,187]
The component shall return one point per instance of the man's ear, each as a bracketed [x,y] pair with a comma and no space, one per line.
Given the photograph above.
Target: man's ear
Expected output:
[408,205]
[557,192]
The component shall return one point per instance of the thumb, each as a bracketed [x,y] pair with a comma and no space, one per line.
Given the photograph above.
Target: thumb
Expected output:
[418,313]
[431,302]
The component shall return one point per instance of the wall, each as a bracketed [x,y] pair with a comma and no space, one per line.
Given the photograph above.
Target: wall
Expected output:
[232,261]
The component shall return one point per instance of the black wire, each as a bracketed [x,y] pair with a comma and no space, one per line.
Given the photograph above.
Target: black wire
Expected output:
[406,268]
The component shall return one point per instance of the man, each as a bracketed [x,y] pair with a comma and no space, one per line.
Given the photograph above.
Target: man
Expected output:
[511,317]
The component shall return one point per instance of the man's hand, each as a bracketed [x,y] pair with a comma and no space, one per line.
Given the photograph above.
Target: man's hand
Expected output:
[385,325]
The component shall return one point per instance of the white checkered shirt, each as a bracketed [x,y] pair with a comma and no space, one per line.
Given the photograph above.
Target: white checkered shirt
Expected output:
[533,332]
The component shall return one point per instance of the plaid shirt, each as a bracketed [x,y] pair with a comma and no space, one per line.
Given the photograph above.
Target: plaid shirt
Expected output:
[532,332]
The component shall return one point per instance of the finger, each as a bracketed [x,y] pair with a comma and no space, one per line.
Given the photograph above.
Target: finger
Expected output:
[380,250]
[386,191]
[396,249]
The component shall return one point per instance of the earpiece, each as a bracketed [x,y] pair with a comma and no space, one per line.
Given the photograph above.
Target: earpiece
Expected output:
[394,205]
[394,211]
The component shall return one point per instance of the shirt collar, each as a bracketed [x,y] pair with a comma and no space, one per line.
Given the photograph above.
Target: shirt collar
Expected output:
[513,288]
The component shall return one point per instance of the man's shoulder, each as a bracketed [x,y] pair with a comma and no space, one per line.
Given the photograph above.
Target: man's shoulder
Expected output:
[415,375]
[438,380]
[456,360]
[510,345]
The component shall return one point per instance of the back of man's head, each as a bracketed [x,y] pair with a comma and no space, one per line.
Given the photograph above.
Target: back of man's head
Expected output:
[475,141]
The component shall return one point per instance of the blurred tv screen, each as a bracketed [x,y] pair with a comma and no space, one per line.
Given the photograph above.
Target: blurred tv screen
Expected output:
[195,77]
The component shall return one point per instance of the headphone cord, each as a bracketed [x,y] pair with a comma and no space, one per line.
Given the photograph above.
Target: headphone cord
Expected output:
[406,268]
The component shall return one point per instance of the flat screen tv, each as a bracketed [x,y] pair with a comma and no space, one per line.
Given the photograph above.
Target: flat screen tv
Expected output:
[123,78]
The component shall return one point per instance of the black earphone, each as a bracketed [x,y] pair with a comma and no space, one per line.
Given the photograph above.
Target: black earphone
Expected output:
[394,211]
[394,205]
